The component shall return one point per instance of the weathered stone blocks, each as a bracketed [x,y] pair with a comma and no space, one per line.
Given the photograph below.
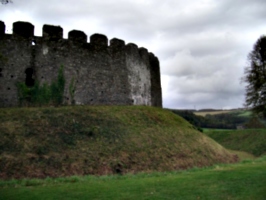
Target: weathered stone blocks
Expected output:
[101,74]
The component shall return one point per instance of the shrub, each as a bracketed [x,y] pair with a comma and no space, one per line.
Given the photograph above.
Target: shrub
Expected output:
[45,94]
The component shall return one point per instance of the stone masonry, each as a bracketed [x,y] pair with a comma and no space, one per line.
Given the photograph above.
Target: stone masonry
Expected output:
[114,74]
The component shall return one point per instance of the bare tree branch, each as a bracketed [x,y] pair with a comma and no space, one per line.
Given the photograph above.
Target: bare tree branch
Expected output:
[6,1]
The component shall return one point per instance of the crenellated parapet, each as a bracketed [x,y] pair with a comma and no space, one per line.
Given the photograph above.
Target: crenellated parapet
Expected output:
[24,29]
[2,28]
[104,72]
[52,32]
[77,36]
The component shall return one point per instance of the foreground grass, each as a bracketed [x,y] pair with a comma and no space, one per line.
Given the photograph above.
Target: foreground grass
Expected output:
[246,180]
[249,140]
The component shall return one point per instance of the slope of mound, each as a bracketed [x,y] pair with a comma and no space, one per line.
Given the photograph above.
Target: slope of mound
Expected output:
[64,141]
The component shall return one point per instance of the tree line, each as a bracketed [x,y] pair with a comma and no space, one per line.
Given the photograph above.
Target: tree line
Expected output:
[220,121]
[255,77]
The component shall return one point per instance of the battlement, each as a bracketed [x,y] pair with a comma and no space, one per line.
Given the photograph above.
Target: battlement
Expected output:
[2,28]
[115,73]
[24,29]
[117,43]
[77,36]
[55,33]
[52,32]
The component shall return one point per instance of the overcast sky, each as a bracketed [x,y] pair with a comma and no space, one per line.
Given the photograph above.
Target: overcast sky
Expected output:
[202,45]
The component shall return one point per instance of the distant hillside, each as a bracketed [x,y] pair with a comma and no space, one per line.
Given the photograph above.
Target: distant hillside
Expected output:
[64,141]
[240,111]
[216,119]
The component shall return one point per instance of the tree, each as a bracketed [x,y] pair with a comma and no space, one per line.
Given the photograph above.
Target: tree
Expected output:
[6,1]
[255,77]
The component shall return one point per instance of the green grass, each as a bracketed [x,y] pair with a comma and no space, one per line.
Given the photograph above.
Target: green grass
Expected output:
[246,180]
[246,113]
[100,140]
[211,130]
[142,144]
[204,113]
[249,140]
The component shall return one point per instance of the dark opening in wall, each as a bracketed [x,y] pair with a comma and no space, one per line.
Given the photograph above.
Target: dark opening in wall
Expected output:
[11,76]
[29,80]
[118,169]
[1,75]
[8,88]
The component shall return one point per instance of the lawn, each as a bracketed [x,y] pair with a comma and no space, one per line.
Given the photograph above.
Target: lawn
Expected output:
[245,180]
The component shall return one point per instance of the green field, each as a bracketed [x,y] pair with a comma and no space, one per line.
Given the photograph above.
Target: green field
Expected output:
[221,119]
[204,113]
[241,113]
[249,140]
[246,180]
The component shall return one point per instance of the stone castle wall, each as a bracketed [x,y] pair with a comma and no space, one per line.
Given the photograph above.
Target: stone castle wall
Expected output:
[114,74]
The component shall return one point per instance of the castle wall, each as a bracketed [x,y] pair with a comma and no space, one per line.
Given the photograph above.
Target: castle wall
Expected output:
[115,74]
[156,91]
[16,57]
[139,75]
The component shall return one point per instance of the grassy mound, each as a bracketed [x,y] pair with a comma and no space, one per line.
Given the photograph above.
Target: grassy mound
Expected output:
[64,141]
[250,140]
